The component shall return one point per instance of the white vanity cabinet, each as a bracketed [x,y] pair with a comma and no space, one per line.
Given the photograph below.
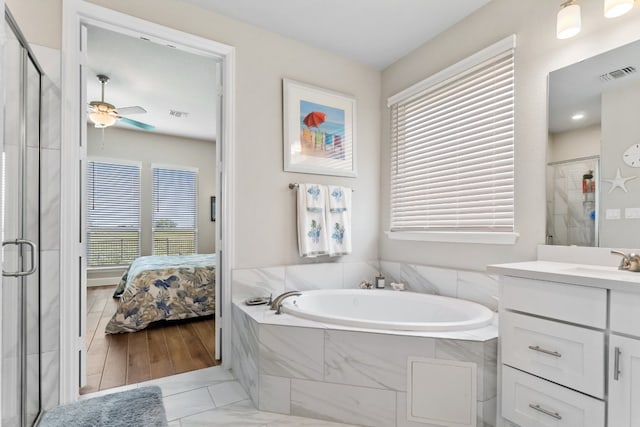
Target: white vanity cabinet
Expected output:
[570,345]
[553,346]
[624,360]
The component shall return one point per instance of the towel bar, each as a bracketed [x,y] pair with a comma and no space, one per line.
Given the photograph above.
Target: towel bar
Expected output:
[294,186]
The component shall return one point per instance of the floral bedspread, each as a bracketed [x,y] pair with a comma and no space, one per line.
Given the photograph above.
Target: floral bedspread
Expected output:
[164,288]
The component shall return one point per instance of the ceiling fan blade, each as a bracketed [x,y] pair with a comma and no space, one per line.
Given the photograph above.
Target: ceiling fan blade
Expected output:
[136,123]
[131,110]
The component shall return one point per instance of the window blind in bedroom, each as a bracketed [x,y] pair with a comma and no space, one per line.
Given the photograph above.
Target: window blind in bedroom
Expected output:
[174,210]
[452,148]
[113,213]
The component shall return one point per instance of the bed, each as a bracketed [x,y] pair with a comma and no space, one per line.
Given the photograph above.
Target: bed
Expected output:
[164,288]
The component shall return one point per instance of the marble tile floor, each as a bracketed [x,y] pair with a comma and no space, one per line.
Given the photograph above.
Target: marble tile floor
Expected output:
[212,397]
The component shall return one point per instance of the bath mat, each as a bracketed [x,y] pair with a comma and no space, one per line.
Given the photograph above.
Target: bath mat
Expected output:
[137,407]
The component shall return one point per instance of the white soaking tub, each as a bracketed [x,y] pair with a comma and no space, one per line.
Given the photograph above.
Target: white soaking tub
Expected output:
[385,309]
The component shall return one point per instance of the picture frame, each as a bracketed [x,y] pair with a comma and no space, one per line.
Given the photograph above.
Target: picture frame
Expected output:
[319,130]
[213,208]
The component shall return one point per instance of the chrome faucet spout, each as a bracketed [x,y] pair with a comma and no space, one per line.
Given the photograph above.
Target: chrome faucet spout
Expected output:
[630,262]
[277,301]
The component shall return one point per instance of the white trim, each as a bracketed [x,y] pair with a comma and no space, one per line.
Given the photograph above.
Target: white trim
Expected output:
[103,281]
[487,53]
[127,162]
[455,237]
[3,39]
[174,167]
[74,14]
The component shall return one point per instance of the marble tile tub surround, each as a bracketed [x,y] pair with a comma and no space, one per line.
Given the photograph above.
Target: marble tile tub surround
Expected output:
[298,367]
[475,286]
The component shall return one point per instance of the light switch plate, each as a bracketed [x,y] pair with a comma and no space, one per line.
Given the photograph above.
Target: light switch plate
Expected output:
[632,213]
[612,214]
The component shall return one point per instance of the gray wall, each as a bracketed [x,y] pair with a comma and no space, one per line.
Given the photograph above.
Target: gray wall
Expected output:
[620,129]
[149,148]
[573,144]
[538,53]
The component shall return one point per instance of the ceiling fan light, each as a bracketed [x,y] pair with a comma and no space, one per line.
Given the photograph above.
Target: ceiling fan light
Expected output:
[615,8]
[102,119]
[569,20]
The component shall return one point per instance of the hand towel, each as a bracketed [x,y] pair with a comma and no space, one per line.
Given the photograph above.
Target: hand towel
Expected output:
[339,220]
[312,230]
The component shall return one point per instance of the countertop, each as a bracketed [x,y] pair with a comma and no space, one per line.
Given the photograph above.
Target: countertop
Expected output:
[594,276]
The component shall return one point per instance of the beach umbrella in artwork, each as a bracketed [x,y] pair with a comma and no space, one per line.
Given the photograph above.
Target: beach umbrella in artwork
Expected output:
[314,119]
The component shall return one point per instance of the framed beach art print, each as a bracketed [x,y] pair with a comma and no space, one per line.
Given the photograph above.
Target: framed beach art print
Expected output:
[319,130]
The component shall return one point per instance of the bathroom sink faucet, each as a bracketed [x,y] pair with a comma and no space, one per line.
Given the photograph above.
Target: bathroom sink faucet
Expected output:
[629,262]
[277,302]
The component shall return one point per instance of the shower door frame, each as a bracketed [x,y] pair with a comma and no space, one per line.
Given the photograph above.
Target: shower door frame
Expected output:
[27,57]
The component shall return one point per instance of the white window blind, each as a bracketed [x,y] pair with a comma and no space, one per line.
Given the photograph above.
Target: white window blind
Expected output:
[452,149]
[113,213]
[175,213]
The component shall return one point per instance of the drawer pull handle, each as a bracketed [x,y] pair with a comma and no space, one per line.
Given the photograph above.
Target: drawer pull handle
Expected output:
[542,350]
[544,411]
[616,364]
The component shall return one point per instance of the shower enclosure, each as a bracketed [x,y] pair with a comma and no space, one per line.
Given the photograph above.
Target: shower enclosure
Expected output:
[20,373]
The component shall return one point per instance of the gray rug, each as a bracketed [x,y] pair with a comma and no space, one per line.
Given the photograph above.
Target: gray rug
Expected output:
[137,407]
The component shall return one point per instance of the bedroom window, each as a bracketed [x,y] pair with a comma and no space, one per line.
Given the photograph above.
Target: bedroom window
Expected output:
[452,152]
[175,213]
[113,213]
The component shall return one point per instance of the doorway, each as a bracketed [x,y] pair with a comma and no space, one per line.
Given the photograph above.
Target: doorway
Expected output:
[150,177]
[76,16]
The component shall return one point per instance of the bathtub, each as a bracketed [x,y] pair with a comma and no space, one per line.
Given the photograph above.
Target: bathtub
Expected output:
[391,310]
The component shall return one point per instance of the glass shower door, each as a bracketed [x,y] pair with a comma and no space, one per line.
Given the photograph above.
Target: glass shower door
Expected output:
[20,376]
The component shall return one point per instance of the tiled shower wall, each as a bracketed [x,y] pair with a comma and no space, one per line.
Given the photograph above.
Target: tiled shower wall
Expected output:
[570,212]
[50,182]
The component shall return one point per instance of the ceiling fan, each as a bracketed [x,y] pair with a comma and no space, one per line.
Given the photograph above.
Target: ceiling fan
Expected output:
[103,114]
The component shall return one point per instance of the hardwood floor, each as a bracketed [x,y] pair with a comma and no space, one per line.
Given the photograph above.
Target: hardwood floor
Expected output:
[155,352]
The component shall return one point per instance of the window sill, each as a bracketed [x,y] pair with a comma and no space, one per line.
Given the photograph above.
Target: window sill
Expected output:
[455,237]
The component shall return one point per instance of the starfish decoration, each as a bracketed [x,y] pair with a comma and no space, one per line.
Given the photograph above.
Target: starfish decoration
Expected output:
[619,181]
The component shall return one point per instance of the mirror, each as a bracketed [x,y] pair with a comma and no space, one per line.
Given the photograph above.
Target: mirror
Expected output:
[593,157]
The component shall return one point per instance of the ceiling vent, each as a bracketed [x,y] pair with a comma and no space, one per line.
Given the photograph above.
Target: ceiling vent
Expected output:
[178,114]
[617,74]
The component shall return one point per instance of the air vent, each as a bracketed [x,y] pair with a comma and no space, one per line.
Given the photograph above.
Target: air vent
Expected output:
[617,74]
[178,114]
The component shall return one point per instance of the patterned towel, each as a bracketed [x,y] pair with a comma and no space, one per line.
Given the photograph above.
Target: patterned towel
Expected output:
[338,214]
[312,230]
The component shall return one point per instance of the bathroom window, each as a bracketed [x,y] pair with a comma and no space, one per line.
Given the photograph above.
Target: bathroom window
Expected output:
[174,210]
[452,152]
[113,213]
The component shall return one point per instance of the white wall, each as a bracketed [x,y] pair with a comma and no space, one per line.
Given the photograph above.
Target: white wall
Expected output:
[149,148]
[574,144]
[538,53]
[620,129]
[265,208]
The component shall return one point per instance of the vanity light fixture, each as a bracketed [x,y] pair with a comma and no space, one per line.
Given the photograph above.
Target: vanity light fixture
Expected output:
[569,20]
[577,116]
[615,8]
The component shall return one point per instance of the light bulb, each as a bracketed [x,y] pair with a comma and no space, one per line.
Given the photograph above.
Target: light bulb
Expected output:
[615,8]
[102,119]
[569,21]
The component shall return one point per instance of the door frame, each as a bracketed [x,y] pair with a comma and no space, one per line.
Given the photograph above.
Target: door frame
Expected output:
[76,14]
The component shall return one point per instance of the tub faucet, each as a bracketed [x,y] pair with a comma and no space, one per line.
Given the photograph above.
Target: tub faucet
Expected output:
[630,262]
[277,301]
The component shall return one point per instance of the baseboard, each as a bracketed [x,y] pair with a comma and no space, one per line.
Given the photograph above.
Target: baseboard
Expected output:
[103,281]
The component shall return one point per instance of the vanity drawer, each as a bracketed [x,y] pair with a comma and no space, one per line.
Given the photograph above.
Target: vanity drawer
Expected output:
[533,402]
[565,354]
[625,312]
[571,303]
